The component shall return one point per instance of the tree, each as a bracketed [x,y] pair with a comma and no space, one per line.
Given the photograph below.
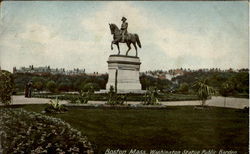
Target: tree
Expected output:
[204,91]
[226,89]
[51,86]
[145,81]
[6,86]
[77,84]
[38,85]
[63,86]
[36,79]
[184,88]
[241,82]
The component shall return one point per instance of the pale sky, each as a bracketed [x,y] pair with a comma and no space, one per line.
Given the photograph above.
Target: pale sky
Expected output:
[75,34]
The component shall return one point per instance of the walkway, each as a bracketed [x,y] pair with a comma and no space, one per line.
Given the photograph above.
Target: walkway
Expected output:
[23,100]
[238,103]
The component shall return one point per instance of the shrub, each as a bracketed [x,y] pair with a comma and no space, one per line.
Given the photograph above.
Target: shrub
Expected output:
[204,91]
[30,132]
[38,85]
[64,86]
[91,87]
[82,98]
[6,86]
[184,88]
[51,86]
[151,97]
[114,98]
[55,107]
[226,89]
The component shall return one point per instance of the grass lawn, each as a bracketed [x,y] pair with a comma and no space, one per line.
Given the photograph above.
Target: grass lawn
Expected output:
[173,128]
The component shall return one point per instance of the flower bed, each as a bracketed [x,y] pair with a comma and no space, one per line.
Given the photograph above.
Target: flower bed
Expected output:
[129,97]
[29,132]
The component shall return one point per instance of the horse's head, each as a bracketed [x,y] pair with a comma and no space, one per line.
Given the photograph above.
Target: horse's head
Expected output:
[113,27]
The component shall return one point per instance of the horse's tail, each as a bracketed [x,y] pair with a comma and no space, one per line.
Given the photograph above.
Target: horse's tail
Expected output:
[138,40]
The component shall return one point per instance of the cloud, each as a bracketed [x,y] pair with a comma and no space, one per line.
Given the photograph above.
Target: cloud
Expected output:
[163,45]
[151,31]
[160,34]
[37,33]
[96,24]
[40,45]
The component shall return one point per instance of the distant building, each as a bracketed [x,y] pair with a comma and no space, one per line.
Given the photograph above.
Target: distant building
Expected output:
[159,74]
[169,76]
[162,76]
[96,74]
[47,69]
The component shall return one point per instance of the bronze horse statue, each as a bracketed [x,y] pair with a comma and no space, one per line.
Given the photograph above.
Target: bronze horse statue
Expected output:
[129,38]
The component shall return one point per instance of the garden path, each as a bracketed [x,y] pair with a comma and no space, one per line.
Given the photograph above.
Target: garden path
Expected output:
[20,99]
[238,103]
[218,101]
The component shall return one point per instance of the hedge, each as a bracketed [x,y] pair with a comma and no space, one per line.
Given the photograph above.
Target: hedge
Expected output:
[6,86]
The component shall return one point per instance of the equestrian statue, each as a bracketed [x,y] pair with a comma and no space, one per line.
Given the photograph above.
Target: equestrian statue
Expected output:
[122,36]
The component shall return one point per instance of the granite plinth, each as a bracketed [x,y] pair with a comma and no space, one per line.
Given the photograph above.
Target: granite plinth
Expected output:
[124,72]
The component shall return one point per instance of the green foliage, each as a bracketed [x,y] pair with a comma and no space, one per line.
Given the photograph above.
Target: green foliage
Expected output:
[64,86]
[111,96]
[6,87]
[51,86]
[160,84]
[30,132]
[180,127]
[129,97]
[82,98]
[111,90]
[55,107]
[63,82]
[91,87]
[204,91]
[226,89]
[38,85]
[114,98]
[151,97]
[238,80]
[184,88]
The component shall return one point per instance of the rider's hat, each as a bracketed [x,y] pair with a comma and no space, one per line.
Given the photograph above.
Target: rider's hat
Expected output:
[123,18]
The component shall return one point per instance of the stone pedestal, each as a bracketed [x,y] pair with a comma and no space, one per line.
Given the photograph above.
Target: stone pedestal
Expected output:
[124,72]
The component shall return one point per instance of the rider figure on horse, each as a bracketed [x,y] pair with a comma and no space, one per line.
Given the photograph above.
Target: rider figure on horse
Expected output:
[122,36]
[124,28]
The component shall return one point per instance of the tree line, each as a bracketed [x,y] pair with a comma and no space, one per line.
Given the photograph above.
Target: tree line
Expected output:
[59,82]
[225,83]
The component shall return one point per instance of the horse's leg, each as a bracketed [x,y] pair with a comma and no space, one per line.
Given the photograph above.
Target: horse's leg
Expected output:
[118,47]
[135,48]
[129,47]
[112,45]
[115,41]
